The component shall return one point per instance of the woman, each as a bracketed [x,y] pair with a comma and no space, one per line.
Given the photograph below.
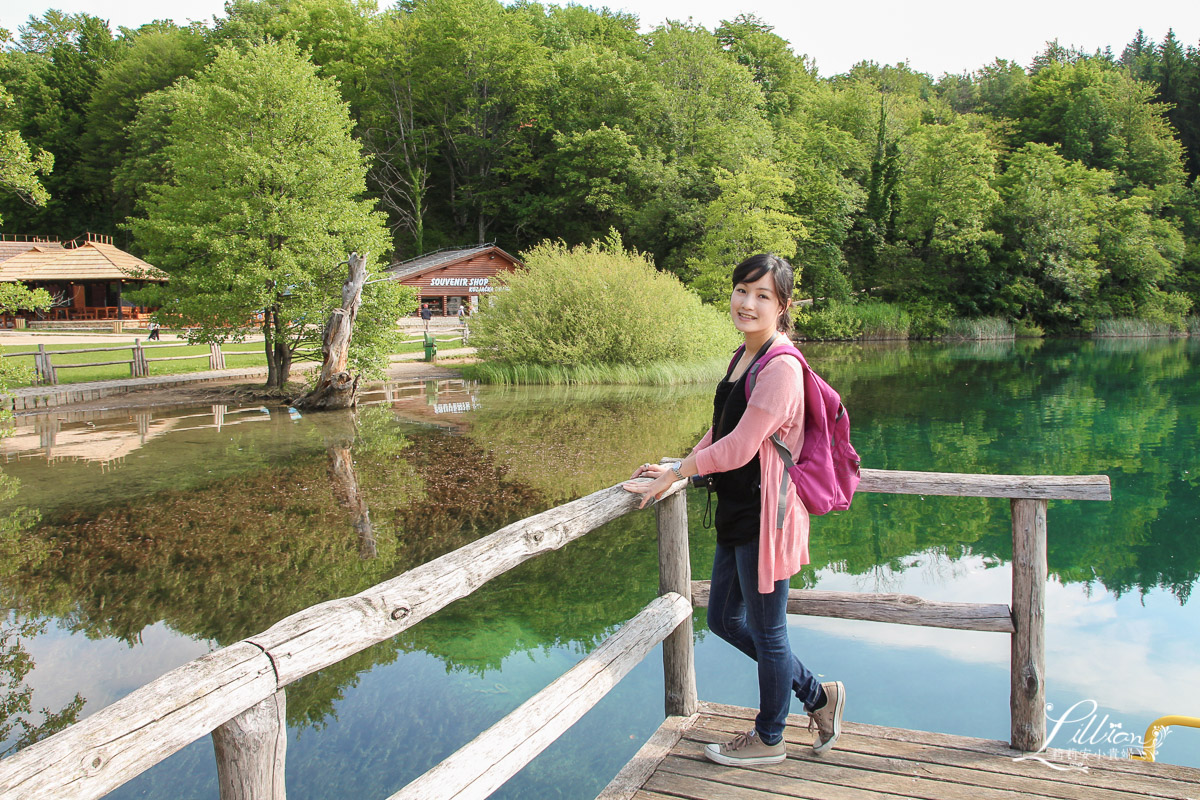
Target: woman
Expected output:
[754,559]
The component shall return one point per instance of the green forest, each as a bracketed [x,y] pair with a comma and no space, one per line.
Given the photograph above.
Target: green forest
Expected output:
[1055,195]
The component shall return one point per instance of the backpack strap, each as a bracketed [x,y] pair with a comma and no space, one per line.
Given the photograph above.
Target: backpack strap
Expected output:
[784,454]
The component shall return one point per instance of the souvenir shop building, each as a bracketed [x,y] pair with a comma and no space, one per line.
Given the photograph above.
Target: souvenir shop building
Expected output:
[448,279]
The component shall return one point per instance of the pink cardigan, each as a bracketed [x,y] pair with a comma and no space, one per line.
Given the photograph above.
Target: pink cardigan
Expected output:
[776,404]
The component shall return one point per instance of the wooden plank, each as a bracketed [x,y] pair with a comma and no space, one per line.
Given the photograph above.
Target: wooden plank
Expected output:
[251,749]
[1027,673]
[118,742]
[675,575]
[645,761]
[95,363]
[714,782]
[901,609]
[327,633]
[990,756]
[922,779]
[489,760]
[820,779]
[951,484]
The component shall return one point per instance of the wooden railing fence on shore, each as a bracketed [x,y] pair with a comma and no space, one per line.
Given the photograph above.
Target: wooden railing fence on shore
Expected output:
[237,693]
[459,334]
[46,371]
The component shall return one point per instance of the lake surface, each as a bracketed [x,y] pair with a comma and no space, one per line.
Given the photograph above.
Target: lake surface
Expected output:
[138,541]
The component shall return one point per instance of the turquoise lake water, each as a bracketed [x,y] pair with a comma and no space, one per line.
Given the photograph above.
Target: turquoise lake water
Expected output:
[148,539]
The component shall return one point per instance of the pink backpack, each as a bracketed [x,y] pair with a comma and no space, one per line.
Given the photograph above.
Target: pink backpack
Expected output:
[828,470]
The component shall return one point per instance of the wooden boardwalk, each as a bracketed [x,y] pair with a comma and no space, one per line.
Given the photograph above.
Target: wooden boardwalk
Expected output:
[876,763]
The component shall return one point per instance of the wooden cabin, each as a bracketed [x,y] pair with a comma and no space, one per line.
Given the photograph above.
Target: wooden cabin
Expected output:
[448,279]
[87,277]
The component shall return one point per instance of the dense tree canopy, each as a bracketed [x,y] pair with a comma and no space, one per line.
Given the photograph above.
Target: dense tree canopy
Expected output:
[260,202]
[1056,193]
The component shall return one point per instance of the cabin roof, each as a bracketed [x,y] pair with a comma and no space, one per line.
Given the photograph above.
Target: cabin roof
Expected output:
[440,259]
[90,261]
[10,248]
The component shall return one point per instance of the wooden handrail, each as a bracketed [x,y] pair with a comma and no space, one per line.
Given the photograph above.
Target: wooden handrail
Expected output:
[488,761]
[239,689]
[901,609]
[1014,487]
[101,752]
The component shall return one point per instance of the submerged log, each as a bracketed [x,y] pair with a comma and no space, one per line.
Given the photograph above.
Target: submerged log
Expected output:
[337,388]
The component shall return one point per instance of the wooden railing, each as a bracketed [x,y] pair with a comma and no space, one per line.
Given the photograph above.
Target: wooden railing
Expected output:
[460,333]
[237,693]
[46,372]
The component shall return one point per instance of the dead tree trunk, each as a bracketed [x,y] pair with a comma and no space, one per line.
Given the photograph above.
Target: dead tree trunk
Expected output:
[339,432]
[336,387]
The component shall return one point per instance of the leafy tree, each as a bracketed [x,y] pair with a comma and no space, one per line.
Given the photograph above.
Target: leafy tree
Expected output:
[823,162]
[705,105]
[1049,219]
[20,165]
[948,201]
[481,84]
[1101,117]
[748,216]
[261,204]
[59,63]
[783,77]
[148,60]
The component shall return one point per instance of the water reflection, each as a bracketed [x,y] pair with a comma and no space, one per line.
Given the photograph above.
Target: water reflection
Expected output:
[214,523]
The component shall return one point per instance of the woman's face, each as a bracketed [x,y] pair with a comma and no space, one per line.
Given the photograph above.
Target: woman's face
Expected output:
[755,307]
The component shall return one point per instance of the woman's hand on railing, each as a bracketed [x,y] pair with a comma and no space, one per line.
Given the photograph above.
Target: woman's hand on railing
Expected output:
[661,480]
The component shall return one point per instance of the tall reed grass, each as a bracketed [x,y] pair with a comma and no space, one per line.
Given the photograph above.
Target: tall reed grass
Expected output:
[1193,326]
[656,374]
[980,328]
[882,321]
[1131,326]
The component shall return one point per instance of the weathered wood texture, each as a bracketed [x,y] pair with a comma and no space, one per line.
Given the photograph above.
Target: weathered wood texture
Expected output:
[335,388]
[123,740]
[103,751]
[327,633]
[484,764]
[871,762]
[250,751]
[903,609]
[675,575]
[1027,698]
[639,768]
[951,484]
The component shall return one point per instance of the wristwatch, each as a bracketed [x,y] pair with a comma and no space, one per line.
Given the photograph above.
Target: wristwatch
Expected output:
[675,465]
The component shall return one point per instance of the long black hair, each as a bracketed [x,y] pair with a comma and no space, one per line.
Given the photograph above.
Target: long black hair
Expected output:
[755,267]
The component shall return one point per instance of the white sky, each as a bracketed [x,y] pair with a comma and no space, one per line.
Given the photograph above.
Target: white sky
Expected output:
[934,36]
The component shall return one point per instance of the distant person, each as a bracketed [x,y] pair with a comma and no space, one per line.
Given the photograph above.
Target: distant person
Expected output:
[757,550]
[153,337]
[426,315]
[462,312]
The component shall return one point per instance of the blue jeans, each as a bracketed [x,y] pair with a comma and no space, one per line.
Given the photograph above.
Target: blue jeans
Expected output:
[756,624]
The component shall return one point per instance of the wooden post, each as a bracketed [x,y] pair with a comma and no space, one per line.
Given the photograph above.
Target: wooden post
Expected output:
[1027,699]
[46,369]
[675,575]
[143,364]
[250,750]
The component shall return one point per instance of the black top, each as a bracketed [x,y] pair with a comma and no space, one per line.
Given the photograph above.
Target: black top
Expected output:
[739,493]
